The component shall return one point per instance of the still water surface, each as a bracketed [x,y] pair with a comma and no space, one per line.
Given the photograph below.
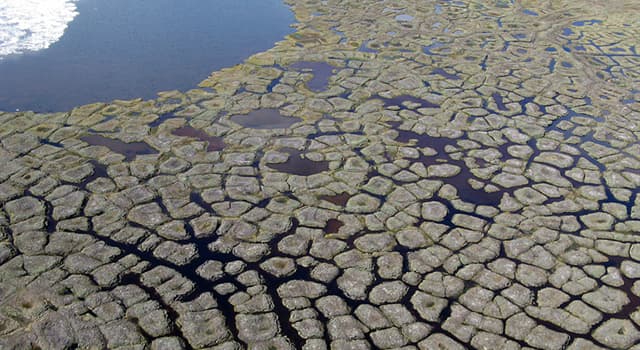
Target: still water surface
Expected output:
[58,54]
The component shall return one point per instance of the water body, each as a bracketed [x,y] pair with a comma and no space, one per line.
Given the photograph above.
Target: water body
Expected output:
[58,54]
[321,71]
[267,118]
[400,100]
[214,143]
[128,149]
[297,165]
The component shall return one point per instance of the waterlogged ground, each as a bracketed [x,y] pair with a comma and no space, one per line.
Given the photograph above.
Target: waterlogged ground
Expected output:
[415,175]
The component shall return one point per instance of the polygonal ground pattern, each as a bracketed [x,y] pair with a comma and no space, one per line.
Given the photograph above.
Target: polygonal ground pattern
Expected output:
[416,175]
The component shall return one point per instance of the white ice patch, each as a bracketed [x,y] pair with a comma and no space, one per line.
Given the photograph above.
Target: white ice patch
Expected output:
[32,25]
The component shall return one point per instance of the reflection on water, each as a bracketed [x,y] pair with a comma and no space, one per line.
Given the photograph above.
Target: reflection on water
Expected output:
[297,165]
[123,49]
[338,199]
[400,101]
[443,73]
[321,71]
[32,25]
[214,143]
[267,118]
[129,150]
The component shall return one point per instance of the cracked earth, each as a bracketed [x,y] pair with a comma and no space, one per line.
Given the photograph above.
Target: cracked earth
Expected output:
[393,175]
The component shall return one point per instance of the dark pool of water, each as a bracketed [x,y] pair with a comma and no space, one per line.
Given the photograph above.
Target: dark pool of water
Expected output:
[435,49]
[129,150]
[499,101]
[122,49]
[321,71]
[460,181]
[214,143]
[338,199]
[399,100]
[367,47]
[99,170]
[333,226]
[297,165]
[266,118]
[443,73]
